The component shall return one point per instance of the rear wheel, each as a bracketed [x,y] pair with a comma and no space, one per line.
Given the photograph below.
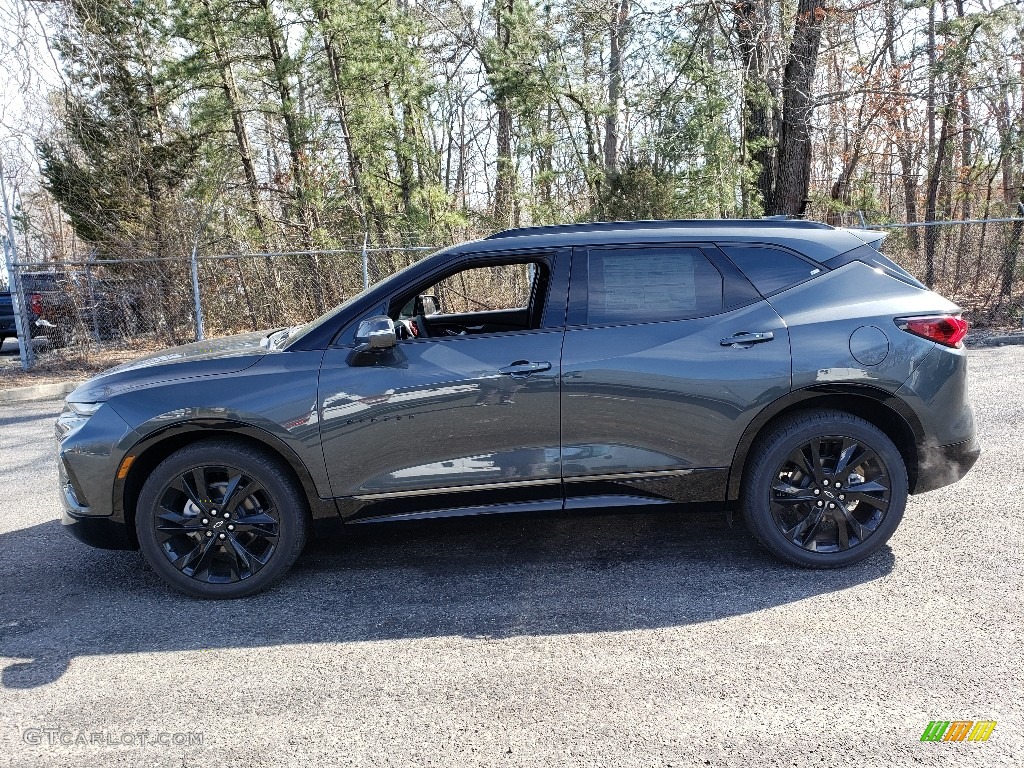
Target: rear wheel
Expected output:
[824,489]
[220,520]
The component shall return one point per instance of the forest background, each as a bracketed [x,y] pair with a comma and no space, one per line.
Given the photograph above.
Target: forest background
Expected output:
[139,130]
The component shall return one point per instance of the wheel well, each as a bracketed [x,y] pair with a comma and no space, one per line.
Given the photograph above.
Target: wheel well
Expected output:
[867,407]
[152,455]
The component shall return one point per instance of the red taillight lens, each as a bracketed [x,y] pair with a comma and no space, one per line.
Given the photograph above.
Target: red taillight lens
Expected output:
[943,329]
[35,303]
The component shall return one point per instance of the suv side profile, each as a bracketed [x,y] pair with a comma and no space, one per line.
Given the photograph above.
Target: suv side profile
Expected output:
[784,369]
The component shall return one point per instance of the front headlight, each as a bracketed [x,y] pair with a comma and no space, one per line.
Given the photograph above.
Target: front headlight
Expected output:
[73,418]
[83,409]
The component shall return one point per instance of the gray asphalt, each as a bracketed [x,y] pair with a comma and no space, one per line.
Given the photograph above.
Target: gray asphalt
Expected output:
[625,640]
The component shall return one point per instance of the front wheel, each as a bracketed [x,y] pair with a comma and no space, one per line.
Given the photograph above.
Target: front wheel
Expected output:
[824,489]
[220,520]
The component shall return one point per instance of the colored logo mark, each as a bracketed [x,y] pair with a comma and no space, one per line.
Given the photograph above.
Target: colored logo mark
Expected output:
[958,730]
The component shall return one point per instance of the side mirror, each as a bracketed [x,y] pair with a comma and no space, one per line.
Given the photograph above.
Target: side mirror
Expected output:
[376,333]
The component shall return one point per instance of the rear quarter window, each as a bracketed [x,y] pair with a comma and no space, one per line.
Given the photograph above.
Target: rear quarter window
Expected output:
[770,269]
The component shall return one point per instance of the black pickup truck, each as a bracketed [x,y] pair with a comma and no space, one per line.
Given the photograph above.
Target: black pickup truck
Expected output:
[60,308]
[49,307]
[7,327]
[50,303]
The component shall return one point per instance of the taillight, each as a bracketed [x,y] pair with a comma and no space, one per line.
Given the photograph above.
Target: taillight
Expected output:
[943,329]
[35,303]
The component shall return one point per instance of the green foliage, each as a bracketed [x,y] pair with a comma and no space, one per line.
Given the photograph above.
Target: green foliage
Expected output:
[120,154]
[510,57]
[304,123]
[638,191]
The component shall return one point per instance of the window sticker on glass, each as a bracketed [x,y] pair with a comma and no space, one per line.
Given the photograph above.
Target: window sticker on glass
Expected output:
[655,283]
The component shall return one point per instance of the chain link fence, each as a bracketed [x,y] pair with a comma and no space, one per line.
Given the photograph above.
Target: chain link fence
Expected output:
[975,263]
[86,313]
[90,314]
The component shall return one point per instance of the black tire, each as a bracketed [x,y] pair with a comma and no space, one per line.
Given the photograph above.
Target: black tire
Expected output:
[198,547]
[786,496]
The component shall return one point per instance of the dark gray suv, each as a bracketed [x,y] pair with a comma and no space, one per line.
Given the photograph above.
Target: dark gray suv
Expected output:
[785,369]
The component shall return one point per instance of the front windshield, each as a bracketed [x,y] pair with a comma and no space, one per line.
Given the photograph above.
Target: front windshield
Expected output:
[296,333]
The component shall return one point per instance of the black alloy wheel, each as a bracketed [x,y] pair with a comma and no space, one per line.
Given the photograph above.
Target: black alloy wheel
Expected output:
[217,519]
[830,494]
[824,489]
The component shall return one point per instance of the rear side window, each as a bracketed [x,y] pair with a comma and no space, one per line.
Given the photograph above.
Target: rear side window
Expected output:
[642,285]
[770,269]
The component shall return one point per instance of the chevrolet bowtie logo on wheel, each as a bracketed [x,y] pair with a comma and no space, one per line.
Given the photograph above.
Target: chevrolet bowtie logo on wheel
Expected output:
[958,730]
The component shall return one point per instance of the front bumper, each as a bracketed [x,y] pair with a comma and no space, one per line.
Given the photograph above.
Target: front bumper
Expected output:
[943,465]
[97,530]
[87,461]
[100,532]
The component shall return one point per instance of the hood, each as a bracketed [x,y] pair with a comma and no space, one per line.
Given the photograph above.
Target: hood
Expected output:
[229,354]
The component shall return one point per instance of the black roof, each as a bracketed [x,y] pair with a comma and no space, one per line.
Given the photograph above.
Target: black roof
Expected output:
[812,238]
[605,226]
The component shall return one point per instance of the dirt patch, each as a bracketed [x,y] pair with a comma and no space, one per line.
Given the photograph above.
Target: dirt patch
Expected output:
[70,364]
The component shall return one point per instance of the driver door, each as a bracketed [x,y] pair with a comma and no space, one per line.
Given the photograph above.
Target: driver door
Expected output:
[463,414]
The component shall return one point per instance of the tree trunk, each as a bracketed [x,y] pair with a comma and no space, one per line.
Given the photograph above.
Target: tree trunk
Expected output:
[759,139]
[617,37]
[1013,193]
[504,183]
[931,234]
[275,47]
[794,170]
[231,97]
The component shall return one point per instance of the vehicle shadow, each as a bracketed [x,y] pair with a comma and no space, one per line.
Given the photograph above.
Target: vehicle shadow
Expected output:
[477,578]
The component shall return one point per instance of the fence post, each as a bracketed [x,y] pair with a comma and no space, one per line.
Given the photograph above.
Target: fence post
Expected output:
[92,296]
[27,351]
[366,260]
[196,296]
[863,224]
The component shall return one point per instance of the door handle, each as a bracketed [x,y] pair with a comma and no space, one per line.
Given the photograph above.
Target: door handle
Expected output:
[523,368]
[743,340]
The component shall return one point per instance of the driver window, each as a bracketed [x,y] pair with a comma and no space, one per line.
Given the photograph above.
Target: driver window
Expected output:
[486,299]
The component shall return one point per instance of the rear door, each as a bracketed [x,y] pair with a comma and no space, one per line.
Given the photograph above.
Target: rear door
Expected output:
[669,352]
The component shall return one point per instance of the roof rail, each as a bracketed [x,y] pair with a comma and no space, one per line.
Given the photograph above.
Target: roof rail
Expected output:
[597,226]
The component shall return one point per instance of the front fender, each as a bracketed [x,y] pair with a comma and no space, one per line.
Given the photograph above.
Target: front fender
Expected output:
[272,402]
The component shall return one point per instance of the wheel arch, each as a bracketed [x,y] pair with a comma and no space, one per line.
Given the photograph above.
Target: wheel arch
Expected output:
[876,406]
[157,446]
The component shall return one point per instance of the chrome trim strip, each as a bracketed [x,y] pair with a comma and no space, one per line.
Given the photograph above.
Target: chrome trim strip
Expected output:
[458,489]
[635,475]
[523,483]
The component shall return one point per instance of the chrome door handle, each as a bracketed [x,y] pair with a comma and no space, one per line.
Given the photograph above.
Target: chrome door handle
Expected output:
[522,368]
[746,339]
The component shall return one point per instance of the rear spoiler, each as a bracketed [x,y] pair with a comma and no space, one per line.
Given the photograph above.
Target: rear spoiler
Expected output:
[871,254]
[872,237]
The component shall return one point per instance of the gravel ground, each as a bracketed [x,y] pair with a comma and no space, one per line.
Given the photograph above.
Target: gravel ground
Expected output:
[622,640]
[74,363]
